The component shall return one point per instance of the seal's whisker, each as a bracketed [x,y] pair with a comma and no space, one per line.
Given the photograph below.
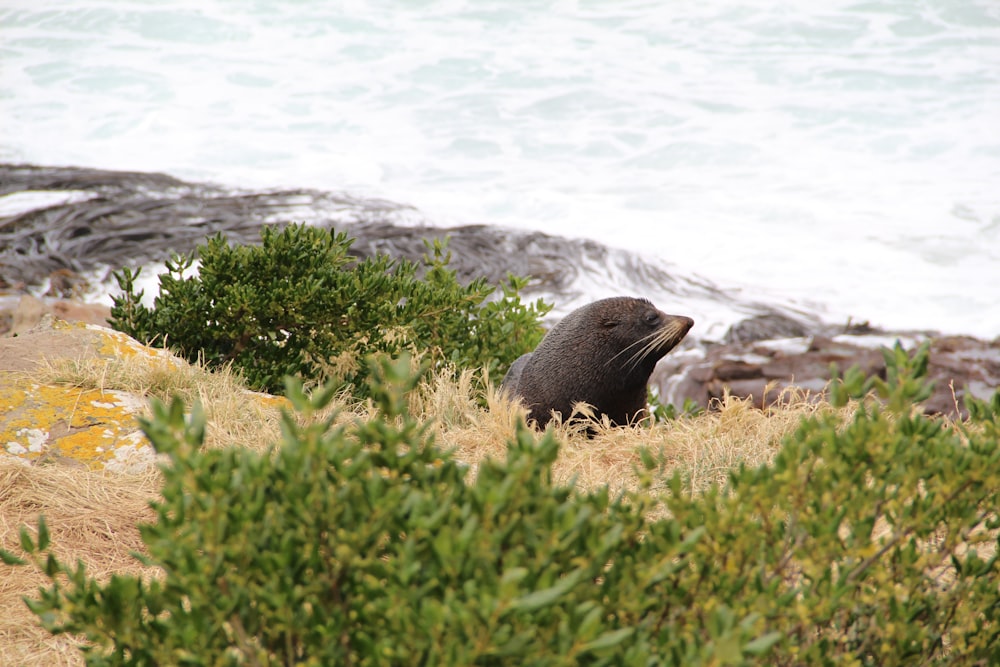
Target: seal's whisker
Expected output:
[629,347]
[659,340]
[641,341]
[649,342]
[661,337]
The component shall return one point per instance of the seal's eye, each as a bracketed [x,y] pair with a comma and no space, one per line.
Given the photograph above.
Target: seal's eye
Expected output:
[652,318]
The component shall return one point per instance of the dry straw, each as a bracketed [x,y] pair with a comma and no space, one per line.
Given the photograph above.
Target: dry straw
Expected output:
[93,516]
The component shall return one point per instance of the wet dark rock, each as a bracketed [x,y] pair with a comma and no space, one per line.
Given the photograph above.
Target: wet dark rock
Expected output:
[129,219]
[766,327]
[729,370]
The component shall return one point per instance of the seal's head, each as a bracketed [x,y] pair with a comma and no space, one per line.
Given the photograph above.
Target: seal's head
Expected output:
[643,334]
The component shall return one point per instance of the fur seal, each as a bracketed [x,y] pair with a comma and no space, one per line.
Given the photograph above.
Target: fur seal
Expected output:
[602,354]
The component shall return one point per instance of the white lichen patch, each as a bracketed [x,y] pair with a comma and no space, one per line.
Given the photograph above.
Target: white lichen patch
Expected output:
[16,448]
[127,401]
[35,437]
[131,458]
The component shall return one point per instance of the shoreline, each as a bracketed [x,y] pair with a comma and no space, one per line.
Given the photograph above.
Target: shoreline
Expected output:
[59,251]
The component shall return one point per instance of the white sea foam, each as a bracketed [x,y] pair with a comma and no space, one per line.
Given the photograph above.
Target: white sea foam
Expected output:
[837,154]
[21,202]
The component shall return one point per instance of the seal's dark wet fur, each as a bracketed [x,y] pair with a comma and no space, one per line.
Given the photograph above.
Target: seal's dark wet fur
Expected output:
[601,354]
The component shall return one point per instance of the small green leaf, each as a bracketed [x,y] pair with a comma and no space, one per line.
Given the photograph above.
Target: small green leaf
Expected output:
[548,596]
[646,456]
[26,542]
[608,640]
[10,559]
[762,644]
[727,649]
[43,534]
[52,565]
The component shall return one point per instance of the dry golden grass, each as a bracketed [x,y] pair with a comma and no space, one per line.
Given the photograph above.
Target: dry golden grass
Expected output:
[703,448]
[93,516]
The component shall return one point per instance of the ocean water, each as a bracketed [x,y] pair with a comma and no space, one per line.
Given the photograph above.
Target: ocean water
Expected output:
[840,155]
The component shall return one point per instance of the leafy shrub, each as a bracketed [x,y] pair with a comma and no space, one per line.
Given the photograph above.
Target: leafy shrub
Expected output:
[300,305]
[871,542]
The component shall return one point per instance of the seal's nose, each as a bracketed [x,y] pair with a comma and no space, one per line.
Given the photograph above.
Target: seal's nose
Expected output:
[682,324]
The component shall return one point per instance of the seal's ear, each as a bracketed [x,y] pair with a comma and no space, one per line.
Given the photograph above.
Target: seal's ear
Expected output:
[610,321]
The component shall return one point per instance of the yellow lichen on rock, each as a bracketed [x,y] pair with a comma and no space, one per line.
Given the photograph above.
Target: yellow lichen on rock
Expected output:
[113,344]
[71,393]
[57,423]
[95,427]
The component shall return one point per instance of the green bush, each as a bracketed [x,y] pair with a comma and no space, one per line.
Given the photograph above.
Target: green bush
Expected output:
[871,542]
[300,305]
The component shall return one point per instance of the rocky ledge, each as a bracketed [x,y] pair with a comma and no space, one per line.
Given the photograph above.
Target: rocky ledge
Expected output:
[100,219]
[764,370]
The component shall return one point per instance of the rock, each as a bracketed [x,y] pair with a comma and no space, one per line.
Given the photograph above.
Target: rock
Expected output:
[127,218]
[51,422]
[766,327]
[762,370]
[48,422]
[28,313]
[17,317]
[88,313]
[109,219]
